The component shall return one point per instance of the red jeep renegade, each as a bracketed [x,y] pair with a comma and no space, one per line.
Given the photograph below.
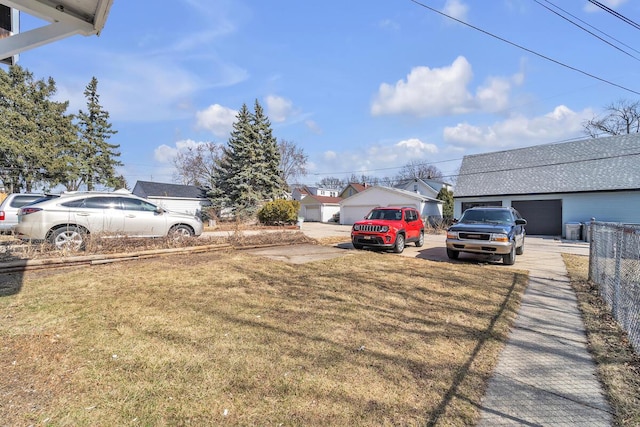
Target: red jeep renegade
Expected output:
[389,228]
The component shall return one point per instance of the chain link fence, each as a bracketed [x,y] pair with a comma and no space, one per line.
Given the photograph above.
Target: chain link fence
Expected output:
[614,265]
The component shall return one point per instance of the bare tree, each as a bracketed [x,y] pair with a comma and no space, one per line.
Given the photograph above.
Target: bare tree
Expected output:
[195,166]
[364,179]
[417,169]
[619,118]
[331,182]
[293,160]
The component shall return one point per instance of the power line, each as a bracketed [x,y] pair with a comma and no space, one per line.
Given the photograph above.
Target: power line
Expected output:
[584,29]
[527,49]
[616,14]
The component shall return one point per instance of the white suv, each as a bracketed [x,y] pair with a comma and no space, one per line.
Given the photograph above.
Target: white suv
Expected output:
[9,209]
[67,220]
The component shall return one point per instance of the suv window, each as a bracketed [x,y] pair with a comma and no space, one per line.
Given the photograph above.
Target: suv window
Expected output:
[137,205]
[411,215]
[20,201]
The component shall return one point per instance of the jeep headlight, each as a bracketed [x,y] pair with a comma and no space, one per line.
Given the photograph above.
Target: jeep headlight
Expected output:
[452,235]
[356,227]
[384,228]
[499,237]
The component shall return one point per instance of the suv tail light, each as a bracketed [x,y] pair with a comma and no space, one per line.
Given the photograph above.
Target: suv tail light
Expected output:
[1,215]
[27,211]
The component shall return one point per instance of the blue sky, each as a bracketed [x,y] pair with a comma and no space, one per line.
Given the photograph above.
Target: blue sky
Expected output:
[362,86]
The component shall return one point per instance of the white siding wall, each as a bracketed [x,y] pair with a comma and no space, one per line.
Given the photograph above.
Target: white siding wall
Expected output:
[612,207]
[328,211]
[356,207]
[178,205]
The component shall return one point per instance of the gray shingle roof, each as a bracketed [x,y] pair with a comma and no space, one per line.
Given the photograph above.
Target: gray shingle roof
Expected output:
[159,189]
[601,164]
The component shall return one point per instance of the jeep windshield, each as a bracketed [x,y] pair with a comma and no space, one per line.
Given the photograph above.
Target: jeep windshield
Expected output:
[486,216]
[386,214]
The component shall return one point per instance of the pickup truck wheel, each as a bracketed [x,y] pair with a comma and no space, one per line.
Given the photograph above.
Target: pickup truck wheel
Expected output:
[520,250]
[399,246]
[510,258]
[420,241]
[452,254]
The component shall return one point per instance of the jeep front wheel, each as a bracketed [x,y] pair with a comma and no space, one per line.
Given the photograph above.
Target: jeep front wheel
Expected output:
[399,246]
[357,246]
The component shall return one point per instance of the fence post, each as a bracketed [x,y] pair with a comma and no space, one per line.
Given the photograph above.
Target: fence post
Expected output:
[592,248]
[618,271]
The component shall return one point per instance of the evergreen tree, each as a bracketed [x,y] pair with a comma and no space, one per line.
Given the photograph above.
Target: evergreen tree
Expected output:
[447,207]
[235,186]
[35,132]
[248,171]
[268,174]
[95,158]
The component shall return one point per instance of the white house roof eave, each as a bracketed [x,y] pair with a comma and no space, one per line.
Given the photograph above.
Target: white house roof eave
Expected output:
[65,17]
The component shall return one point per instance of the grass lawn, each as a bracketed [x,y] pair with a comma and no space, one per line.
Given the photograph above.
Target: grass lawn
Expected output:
[226,338]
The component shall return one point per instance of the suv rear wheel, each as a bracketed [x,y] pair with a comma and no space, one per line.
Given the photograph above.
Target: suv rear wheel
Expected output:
[420,241]
[70,237]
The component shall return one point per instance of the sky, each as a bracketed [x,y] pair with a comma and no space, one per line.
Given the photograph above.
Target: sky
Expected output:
[363,87]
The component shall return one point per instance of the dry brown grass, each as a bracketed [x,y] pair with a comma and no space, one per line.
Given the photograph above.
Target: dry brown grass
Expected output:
[618,364]
[13,249]
[230,339]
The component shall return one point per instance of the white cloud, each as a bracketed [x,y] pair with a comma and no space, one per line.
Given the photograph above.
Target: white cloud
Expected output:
[443,91]
[278,108]
[313,127]
[416,148]
[427,92]
[216,119]
[165,153]
[518,130]
[375,159]
[456,9]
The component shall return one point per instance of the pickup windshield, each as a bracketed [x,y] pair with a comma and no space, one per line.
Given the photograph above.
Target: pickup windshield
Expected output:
[491,217]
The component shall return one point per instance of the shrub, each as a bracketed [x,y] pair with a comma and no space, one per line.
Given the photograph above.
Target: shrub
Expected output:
[279,212]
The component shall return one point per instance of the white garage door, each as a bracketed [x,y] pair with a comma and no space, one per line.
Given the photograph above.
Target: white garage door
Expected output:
[351,214]
[312,213]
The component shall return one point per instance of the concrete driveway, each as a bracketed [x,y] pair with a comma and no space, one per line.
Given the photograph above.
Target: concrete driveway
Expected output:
[538,250]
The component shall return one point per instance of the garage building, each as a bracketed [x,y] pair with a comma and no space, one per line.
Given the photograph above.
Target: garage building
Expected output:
[553,185]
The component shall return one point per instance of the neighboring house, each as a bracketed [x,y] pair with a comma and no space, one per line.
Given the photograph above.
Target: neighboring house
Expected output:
[179,198]
[351,189]
[301,192]
[555,184]
[319,208]
[355,208]
[426,187]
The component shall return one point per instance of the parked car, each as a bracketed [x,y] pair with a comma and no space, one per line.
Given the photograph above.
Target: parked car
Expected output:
[10,206]
[488,230]
[390,228]
[66,221]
